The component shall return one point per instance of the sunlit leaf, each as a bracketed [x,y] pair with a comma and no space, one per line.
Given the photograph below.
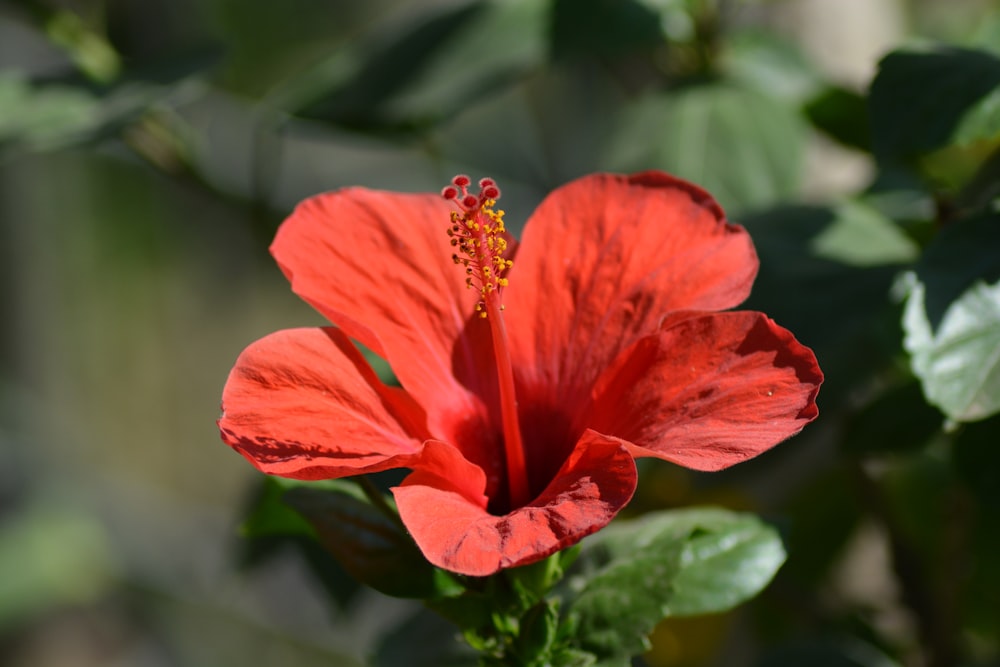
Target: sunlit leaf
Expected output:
[951,319]
[959,362]
[678,563]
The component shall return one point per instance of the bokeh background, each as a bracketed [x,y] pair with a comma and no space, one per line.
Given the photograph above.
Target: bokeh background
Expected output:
[150,148]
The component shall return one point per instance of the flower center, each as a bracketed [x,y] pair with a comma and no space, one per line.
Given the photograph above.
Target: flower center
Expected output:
[478,234]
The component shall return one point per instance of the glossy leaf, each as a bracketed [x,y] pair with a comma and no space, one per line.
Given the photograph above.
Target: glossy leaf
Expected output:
[959,364]
[952,319]
[677,563]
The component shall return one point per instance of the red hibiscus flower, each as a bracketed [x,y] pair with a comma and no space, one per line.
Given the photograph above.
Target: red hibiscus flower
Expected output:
[531,376]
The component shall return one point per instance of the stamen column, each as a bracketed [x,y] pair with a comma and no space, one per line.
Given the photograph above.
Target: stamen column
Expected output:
[477,231]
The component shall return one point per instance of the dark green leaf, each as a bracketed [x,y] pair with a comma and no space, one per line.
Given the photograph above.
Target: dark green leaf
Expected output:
[369,74]
[964,252]
[843,115]
[844,652]
[976,456]
[919,97]
[897,421]
[603,28]
[676,563]
[270,516]
[502,41]
[821,517]
[368,544]
[537,633]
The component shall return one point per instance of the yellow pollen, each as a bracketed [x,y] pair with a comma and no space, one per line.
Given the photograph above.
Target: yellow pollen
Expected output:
[477,232]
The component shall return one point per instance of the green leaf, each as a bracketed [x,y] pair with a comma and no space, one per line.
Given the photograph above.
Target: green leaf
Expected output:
[744,147]
[270,516]
[603,28]
[765,62]
[980,122]
[899,420]
[537,633]
[821,516]
[351,87]
[843,115]
[976,457]
[44,117]
[369,545]
[919,97]
[861,236]
[503,40]
[677,563]
[951,319]
[88,49]
[959,363]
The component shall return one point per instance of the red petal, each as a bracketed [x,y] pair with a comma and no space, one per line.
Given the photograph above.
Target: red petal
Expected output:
[709,390]
[378,265]
[604,258]
[303,403]
[444,508]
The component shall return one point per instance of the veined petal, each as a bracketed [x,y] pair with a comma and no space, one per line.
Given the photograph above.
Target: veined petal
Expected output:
[303,403]
[709,390]
[378,264]
[603,259]
[443,507]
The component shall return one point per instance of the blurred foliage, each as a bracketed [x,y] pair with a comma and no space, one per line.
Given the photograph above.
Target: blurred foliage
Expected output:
[148,151]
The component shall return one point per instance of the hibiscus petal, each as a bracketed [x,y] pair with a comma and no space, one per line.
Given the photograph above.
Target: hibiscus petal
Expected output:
[303,403]
[444,508]
[709,390]
[378,264]
[600,262]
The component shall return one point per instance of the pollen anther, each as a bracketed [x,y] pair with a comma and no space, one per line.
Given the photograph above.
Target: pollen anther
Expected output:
[477,231]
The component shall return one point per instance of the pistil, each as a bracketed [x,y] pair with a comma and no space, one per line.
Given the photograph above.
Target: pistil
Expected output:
[478,234]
